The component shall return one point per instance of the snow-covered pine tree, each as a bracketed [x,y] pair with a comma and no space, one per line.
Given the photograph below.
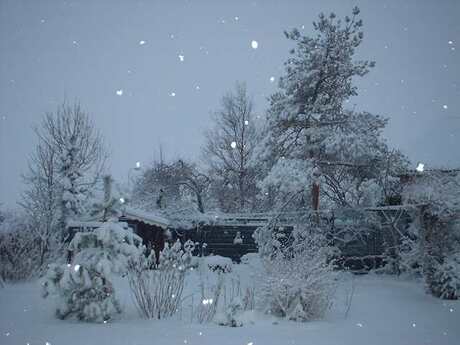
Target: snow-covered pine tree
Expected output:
[84,288]
[309,129]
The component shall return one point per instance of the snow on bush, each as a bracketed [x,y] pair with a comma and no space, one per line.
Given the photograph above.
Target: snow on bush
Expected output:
[231,316]
[157,288]
[436,230]
[447,278]
[84,288]
[298,281]
[19,252]
[218,263]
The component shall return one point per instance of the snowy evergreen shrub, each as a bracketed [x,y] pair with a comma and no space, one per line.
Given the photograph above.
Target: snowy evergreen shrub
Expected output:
[84,288]
[447,278]
[84,292]
[157,288]
[298,281]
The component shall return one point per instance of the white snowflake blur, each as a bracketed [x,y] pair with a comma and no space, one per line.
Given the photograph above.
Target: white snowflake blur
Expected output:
[254,44]
[141,43]
[420,167]
[233,144]
[119,92]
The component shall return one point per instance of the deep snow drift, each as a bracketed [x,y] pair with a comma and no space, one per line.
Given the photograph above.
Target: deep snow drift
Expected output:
[385,310]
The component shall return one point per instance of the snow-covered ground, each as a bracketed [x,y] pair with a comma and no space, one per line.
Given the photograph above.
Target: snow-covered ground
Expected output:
[384,311]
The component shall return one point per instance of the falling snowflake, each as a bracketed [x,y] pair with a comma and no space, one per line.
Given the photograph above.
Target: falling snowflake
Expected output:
[420,167]
[414,325]
[141,43]
[450,42]
[233,145]
[42,21]
[359,324]
[119,92]
[197,87]
[207,301]
[172,94]
[250,343]
[272,79]
[75,43]
[445,106]
[246,122]
[181,58]
[237,18]
[122,200]
[254,44]
[138,165]
[76,268]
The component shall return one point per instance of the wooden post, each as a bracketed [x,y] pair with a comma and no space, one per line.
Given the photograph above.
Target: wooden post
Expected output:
[315,196]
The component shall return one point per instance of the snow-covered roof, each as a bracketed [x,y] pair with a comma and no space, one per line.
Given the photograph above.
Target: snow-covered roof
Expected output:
[145,217]
[83,224]
[88,224]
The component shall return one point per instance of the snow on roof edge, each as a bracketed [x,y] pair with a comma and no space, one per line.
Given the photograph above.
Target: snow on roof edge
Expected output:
[145,217]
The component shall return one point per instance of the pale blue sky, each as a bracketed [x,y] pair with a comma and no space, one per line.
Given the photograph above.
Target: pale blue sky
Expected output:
[51,51]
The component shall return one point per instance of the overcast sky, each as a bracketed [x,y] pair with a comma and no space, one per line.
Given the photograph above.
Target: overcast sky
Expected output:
[51,51]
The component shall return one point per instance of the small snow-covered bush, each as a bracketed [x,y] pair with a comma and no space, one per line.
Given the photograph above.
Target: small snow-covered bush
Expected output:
[218,263]
[298,281]
[83,291]
[231,315]
[157,288]
[19,252]
[84,288]
[447,278]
